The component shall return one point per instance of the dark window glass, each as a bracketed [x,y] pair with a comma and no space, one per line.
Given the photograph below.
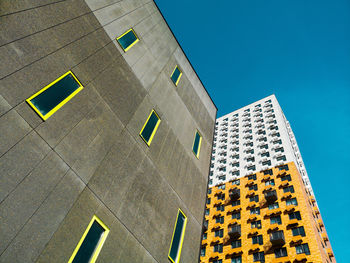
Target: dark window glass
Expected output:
[273,206]
[254,198]
[127,39]
[236,243]
[298,231]
[236,215]
[256,224]
[196,144]
[295,215]
[178,236]
[46,101]
[236,259]
[288,189]
[175,77]
[292,201]
[257,239]
[286,178]
[202,251]
[281,252]
[218,248]
[259,256]
[275,220]
[89,244]
[150,127]
[302,249]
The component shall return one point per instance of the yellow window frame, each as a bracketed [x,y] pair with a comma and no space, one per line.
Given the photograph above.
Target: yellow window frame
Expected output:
[178,79]
[154,130]
[199,144]
[46,116]
[132,44]
[182,237]
[100,244]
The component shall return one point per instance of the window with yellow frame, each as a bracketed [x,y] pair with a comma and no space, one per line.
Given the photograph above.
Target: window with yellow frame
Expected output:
[176,75]
[150,127]
[91,242]
[196,147]
[128,39]
[52,97]
[178,237]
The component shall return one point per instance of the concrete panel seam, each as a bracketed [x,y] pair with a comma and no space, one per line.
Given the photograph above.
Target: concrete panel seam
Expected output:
[31,8]
[48,194]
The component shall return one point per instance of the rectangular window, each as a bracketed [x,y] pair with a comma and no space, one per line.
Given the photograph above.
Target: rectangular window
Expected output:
[268,172]
[275,220]
[292,201]
[256,224]
[176,75]
[286,178]
[197,144]
[257,239]
[128,39]
[219,220]
[218,248]
[289,189]
[52,97]
[219,233]
[298,231]
[236,215]
[235,203]
[273,206]
[236,243]
[255,211]
[253,187]
[265,154]
[178,237]
[270,182]
[254,198]
[259,256]
[91,242]
[150,127]
[236,259]
[302,249]
[283,167]
[280,252]
[202,251]
[295,215]
[252,177]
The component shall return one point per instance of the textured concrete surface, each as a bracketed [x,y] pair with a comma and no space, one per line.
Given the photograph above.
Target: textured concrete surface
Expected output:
[88,158]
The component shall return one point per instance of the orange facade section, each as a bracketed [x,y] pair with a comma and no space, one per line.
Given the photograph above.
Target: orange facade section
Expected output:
[265,217]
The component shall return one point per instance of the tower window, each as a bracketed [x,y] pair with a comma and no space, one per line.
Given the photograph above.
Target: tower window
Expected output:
[128,39]
[178,236]
[150,127]
[176,75]
[52,97]
[91,242]
[197,144]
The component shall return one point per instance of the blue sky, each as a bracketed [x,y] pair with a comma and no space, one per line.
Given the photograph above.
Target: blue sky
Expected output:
[244,50]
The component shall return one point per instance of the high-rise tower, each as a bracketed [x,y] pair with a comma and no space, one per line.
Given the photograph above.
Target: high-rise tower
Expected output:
[260,205]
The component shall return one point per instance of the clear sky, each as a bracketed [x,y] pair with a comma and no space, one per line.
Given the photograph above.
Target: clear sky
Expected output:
[244,50]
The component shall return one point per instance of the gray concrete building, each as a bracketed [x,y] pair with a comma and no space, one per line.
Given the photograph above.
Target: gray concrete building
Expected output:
[89,155]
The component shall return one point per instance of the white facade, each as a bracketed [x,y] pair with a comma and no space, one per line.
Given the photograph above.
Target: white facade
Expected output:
[252,139]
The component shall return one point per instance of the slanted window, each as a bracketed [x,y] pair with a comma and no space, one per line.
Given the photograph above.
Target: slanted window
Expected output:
[52,97]
[91,242]
[197,144]
[128,39]
[178,237]
[176,75]
[150,127]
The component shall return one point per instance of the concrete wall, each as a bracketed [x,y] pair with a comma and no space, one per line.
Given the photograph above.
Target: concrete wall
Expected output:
[88,157]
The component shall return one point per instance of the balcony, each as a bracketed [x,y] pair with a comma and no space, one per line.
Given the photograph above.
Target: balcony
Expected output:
[277,238]
[330,252]
[324,236]
[320,222]
[271,196]
[234,231]
[234,194]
